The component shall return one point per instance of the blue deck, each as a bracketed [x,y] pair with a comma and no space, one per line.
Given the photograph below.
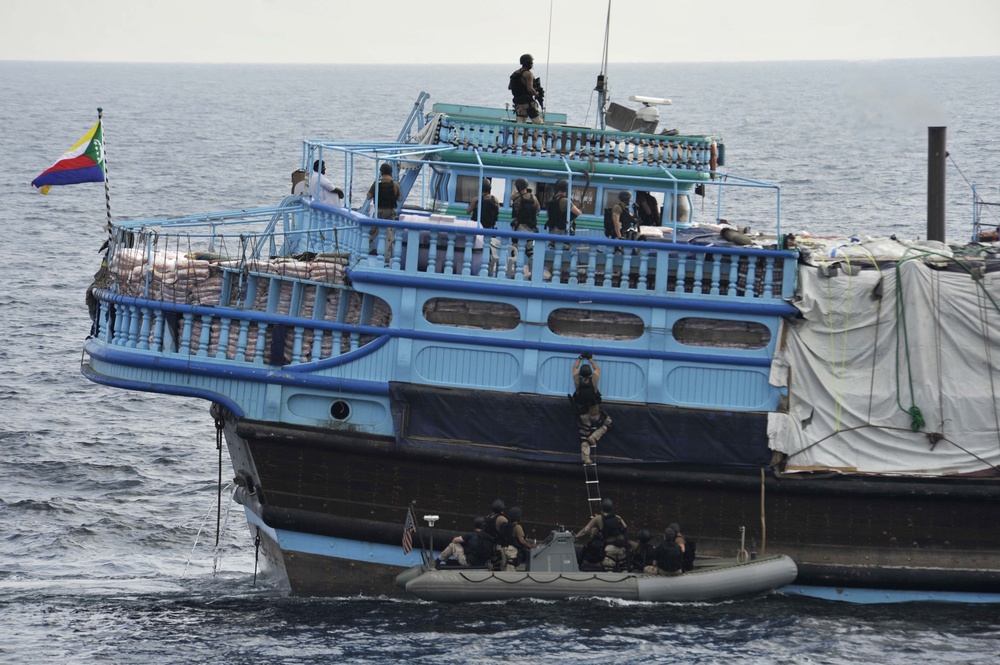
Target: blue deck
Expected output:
[222,347]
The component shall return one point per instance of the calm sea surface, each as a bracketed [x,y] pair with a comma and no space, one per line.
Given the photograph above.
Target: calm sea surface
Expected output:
[107,498]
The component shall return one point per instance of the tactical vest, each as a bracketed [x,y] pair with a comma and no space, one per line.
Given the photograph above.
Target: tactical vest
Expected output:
[505,534]
[386,195]
[518,88]
[527,211]
[490,526]
[586,394]
[491,211]
[557,216]
[614,530]
[669,556]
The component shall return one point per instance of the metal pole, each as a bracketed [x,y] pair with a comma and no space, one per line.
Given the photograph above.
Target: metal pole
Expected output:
[936,156]
[104,160]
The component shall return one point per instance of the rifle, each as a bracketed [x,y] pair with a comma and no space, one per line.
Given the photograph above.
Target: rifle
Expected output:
[540,93]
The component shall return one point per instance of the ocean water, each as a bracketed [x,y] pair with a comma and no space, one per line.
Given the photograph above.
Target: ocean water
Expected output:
[108,498]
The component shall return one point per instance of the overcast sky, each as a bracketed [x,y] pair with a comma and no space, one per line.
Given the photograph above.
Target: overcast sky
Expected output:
[472,31]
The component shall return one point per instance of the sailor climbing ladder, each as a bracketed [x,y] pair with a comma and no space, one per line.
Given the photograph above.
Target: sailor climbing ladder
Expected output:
[586,400]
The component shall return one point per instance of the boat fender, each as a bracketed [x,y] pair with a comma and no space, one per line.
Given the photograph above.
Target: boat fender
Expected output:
[714,160]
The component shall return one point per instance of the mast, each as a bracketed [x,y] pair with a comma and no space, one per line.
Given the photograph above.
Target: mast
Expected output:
[602,78]
[936,156]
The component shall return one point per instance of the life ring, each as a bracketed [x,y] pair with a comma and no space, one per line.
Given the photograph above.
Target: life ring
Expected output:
[714,160]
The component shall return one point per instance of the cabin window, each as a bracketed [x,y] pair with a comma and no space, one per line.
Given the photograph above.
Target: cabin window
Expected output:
[467,188]
[471,314]
[721,333]
[595,324]
[611,198]
[585,198]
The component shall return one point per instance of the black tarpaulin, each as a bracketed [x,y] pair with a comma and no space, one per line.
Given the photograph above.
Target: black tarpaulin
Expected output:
[544,427]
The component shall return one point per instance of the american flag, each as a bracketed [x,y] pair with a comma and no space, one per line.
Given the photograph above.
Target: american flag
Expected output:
[408,530]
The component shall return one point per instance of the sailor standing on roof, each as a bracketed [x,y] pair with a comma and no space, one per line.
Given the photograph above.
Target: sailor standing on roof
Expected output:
[525,92]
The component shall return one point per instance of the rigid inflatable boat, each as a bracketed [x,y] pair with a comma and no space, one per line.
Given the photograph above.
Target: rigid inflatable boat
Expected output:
[553,573]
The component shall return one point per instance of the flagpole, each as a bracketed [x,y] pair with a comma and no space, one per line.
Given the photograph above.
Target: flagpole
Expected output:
[104,158]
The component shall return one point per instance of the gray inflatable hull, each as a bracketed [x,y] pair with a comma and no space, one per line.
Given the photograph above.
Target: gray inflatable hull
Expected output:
[710,580]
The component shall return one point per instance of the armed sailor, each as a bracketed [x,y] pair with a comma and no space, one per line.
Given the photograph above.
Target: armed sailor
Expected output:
[557,210]
[525,90]
[593,422]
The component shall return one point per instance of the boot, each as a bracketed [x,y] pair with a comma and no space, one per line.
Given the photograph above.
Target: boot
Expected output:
[585,452]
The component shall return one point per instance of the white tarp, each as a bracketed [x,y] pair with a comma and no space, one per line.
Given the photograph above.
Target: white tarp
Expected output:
[853,363]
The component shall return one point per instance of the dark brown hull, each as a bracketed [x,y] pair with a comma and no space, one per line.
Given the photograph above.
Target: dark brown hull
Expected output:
[842,531]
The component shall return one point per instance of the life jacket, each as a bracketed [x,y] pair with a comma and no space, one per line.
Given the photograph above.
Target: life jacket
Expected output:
[491,211]
[478,548]
[527,211]
[387,195]
[689,548]
[625,220]
[614,530]
[557,216]
[609,223]
[593,551]
[669,556]
[586,394]
[505,534]
[643,556]
[651,218]
[490,527]
[518,88]
[629,224]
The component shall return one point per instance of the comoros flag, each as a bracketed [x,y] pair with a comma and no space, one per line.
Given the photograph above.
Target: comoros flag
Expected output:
[84,162]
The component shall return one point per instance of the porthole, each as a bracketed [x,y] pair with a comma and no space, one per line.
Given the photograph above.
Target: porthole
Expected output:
[340,410]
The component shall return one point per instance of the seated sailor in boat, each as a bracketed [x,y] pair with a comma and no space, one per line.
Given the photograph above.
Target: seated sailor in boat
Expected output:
[493,523]
[491,213]
[642,552]
[615,533]
[511,539]
[668,556]
[556,223]
[593,422]
[469,549]
[525,92]
[591,556]
[686,545]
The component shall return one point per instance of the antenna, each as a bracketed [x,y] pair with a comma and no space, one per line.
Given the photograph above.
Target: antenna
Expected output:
[548,48]
[602,78]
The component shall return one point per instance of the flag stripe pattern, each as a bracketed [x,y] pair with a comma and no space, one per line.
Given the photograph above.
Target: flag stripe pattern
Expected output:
[408,530]
[84,162]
